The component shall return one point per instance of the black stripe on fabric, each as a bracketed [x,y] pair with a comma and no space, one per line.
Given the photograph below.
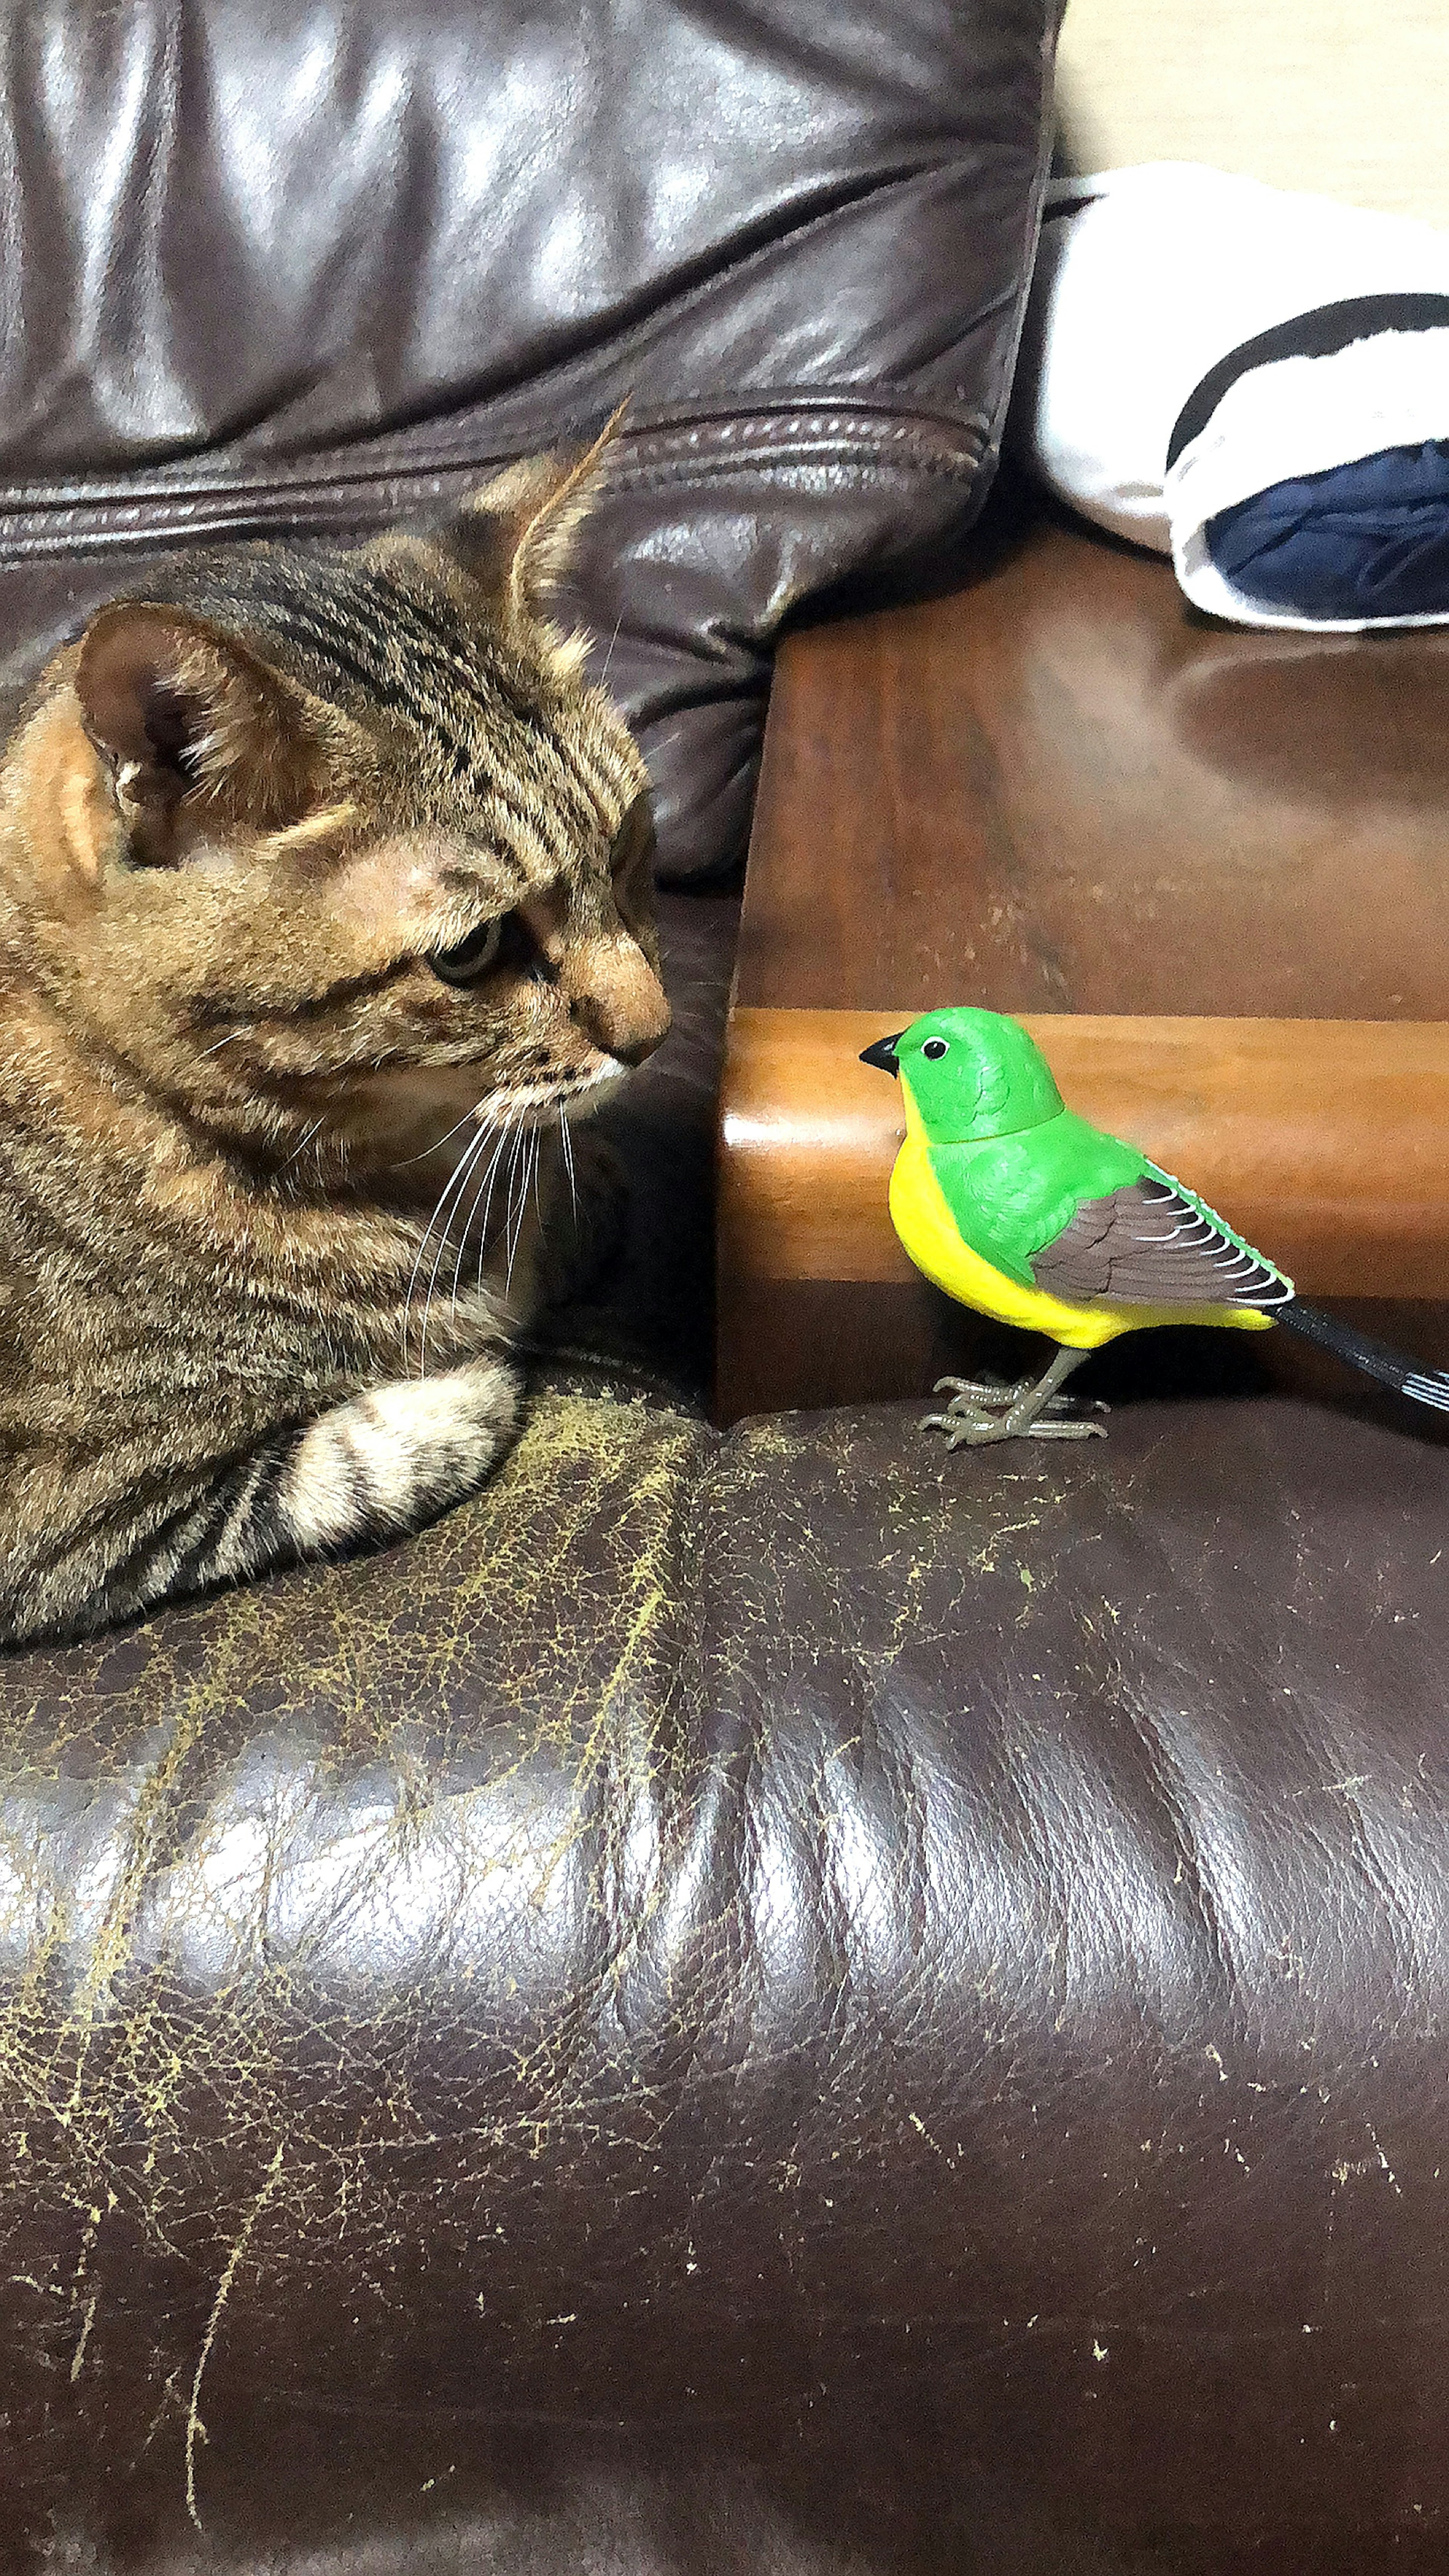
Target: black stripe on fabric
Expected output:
[1062,211]
[1320,333]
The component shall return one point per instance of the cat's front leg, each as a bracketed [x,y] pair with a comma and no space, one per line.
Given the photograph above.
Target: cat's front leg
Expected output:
[394,1457]
[383,1463]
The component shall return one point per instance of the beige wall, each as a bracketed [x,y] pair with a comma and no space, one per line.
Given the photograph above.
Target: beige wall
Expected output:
[1350,97]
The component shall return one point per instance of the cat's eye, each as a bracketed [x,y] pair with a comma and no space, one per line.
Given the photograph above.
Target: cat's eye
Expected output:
[472,956]
[935,1048]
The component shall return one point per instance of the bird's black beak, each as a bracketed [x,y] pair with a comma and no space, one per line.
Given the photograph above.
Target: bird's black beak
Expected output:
[883,1054]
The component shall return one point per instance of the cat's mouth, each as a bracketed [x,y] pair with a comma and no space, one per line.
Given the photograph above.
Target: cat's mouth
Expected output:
[401,1119]
[537,1104]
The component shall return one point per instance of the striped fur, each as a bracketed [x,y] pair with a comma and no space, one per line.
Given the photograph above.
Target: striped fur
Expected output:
[277,1188]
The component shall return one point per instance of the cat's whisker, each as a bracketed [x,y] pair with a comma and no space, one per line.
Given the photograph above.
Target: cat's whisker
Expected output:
[693,1011]
[530,1182]
[485,1184]
[472,1153]
[441,1202]
[229,1040]
[491,1178]
[439,1142]
[517,1212]
[303,1141]
[608,657]
[464,1231]
[463,1226]
[568,1155]
[460,1180]
[509,1138]
[475,1111]
[418,1258]
[413,1277]
[510,1183]
[499,1166]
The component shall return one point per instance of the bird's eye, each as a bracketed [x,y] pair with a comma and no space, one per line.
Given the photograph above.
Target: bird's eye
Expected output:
[935,1047]
[471,958]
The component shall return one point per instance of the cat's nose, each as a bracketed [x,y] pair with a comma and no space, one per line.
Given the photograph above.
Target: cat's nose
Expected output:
[634,1050]
[621,1004]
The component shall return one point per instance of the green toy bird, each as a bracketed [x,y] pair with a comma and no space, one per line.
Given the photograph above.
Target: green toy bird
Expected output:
[1015,1206]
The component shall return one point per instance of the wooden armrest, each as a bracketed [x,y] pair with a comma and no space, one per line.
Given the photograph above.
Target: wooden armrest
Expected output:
[1210,866]
[1324,1142]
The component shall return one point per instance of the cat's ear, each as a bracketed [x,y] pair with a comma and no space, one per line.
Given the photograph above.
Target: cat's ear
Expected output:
[191,725]
[516,534]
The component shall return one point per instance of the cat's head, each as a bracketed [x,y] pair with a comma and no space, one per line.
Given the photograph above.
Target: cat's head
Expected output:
[320,832]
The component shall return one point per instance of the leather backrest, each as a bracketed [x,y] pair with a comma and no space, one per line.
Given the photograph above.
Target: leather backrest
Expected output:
[284,227]
[277,266]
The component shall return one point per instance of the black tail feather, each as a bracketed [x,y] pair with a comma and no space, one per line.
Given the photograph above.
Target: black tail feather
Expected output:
[1423,1386]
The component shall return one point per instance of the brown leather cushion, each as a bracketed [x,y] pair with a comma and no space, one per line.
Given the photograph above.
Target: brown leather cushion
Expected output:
[783,1940]
[318,267]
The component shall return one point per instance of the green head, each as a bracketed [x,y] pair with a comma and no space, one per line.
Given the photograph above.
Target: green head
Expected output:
[969,1074]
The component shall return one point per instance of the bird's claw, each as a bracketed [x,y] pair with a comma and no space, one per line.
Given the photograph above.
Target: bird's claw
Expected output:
[976,1431]
[988,1416]
[986,1390]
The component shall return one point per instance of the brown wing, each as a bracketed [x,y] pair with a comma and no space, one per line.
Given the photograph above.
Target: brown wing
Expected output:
[1147,1245]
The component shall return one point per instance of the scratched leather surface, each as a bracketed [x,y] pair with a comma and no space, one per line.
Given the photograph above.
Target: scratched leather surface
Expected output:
[773,1941]
[266,266]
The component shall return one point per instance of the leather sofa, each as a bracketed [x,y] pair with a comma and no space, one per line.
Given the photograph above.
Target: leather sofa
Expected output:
[747,2001]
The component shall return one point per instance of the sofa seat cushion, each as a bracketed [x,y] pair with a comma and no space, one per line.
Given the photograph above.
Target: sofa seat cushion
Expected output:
[719,1917]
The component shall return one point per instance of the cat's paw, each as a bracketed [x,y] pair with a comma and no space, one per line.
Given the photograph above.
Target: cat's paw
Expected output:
[399,1454]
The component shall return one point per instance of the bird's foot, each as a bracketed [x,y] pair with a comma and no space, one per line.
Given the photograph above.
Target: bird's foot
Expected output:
[977,1431]
[982,1410]
[980,1398]
[981,1394]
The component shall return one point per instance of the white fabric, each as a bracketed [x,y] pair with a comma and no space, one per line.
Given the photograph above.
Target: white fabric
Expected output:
[1139,293]
[1303,416]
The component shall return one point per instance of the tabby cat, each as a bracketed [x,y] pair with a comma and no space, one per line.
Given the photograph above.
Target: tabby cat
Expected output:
[324,878]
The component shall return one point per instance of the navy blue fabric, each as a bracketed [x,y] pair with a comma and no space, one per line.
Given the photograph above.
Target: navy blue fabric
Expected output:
[1369,539]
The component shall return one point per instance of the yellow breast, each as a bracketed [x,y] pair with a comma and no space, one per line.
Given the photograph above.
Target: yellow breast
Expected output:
[933,1240]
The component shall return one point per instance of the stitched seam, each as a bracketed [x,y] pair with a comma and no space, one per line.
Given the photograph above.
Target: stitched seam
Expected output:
[52,533]
[856,421]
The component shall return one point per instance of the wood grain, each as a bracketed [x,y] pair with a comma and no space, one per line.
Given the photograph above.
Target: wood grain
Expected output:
[1056,790]
[1325,1143]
